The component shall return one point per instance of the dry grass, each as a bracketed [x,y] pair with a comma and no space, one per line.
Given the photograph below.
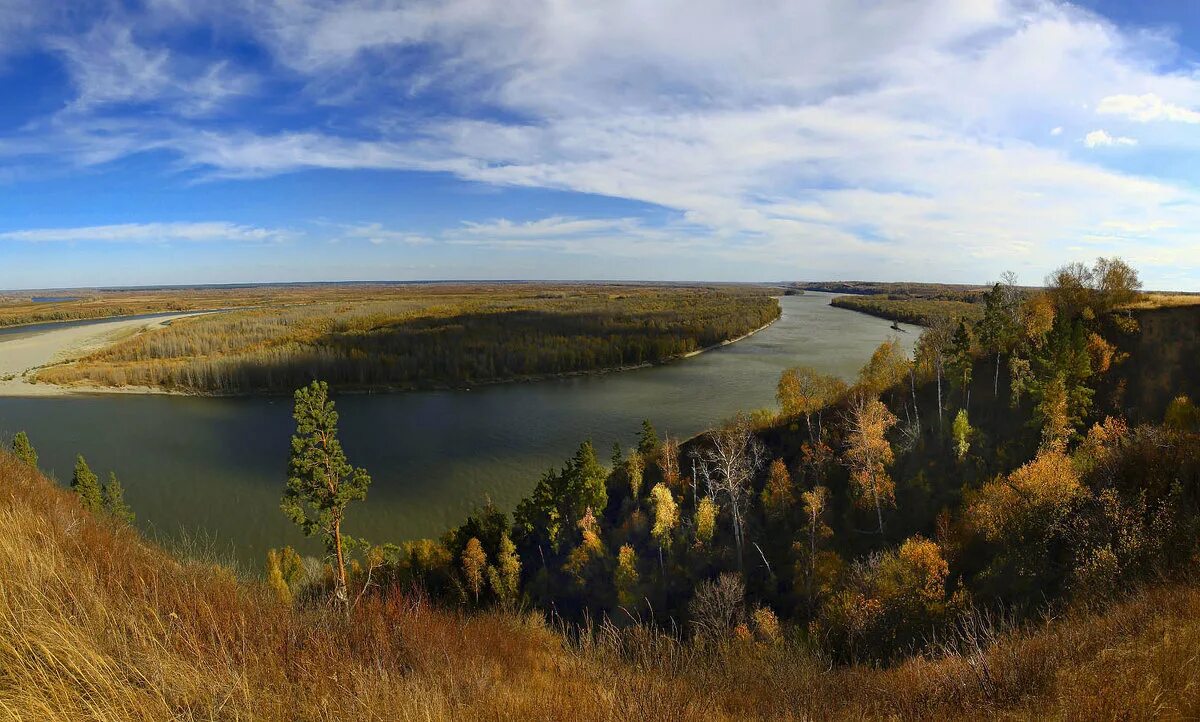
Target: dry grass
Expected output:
[95,624]
[1164,300]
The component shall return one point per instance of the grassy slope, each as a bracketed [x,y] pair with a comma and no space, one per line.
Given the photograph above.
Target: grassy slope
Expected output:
[96,624]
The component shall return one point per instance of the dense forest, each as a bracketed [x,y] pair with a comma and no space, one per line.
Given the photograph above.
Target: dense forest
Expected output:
[460,338]
[919,311]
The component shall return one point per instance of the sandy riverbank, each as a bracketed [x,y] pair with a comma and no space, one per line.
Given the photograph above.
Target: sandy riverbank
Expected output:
[23,354]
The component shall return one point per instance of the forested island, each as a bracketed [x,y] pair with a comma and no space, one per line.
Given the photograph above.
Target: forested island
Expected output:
[1006,523]
[423,337]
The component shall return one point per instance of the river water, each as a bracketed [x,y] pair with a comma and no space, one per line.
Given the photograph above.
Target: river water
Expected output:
[215,467]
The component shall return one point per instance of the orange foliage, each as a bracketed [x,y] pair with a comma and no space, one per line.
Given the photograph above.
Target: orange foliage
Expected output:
[1040,489]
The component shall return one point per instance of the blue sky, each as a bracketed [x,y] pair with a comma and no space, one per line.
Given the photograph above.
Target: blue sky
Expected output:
[166,141]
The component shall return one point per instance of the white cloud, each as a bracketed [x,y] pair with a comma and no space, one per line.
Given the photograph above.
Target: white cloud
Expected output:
[1101,138]
[1057,130]
[376,234]
[214,231]
[1146,108]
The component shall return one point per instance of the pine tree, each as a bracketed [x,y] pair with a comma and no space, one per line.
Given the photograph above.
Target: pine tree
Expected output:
[87,486]
[962,362]
[114,500]
[647,439]
[585,483]
[320,480]
[24,451]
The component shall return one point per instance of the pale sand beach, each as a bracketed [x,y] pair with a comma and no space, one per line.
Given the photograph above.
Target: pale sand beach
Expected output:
[22,354]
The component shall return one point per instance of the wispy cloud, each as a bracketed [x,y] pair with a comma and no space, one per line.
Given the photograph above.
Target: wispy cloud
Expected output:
[206,232]
[378,235]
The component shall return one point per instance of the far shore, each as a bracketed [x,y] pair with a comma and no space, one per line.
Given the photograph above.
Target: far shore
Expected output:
[22,356]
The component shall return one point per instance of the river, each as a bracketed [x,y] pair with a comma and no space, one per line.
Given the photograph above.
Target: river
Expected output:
[215,467]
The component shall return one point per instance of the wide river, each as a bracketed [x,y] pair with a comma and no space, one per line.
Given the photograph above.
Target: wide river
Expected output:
[215,467]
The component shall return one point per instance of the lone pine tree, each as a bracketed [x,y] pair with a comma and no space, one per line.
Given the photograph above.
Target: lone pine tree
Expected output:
[321,482]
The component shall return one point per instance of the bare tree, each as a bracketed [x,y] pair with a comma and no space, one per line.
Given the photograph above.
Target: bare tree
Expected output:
[728,462]
[717,607]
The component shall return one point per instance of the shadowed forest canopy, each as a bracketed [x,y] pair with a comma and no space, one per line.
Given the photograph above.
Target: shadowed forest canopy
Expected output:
[465,335]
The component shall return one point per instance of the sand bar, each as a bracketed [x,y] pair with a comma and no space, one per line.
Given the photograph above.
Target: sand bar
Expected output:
[21,354]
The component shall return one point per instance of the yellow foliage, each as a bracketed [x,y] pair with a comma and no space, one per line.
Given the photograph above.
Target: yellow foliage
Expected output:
[766,626]
[474,560]
[779,493]
[1040,489]
[706,520]
[666,513]
[1037,317]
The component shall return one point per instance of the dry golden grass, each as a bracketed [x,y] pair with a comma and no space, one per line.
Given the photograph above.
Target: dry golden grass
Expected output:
[96,624]
[1164,300]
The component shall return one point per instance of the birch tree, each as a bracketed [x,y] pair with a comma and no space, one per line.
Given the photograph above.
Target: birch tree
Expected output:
[730,458]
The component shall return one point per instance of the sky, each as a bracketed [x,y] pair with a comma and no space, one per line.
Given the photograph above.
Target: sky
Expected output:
[180,141]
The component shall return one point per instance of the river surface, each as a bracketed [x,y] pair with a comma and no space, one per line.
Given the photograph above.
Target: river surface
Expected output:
[215,467]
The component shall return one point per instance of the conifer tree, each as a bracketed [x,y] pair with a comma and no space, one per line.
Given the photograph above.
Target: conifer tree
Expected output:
[114,500]
[584,483]
[86,486]
[24,451]
[321,481]
[647,439]
[961,359]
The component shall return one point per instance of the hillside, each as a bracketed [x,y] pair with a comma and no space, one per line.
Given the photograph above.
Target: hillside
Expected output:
[95,624]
